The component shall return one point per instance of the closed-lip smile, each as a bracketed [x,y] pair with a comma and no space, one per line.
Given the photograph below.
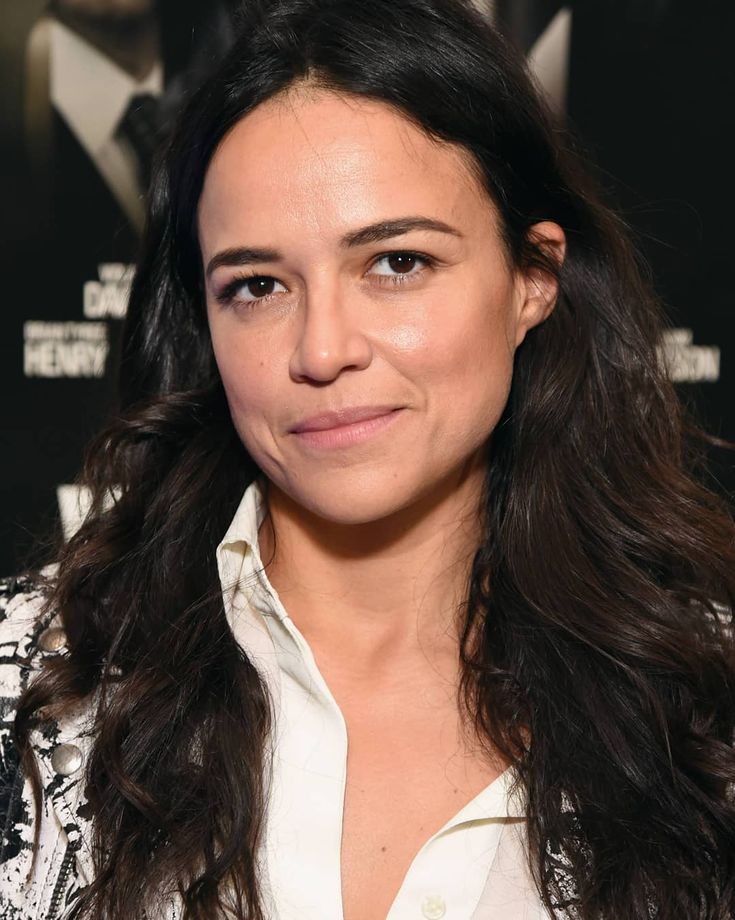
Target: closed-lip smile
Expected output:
[340,417]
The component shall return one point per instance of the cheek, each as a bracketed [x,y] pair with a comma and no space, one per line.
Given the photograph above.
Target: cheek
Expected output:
[468,362]
[248,378]
[472,328]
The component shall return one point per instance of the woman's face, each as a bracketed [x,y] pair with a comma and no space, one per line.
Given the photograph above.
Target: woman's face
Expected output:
[351,261]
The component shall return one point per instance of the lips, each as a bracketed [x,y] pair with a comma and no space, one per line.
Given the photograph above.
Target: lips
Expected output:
[335,419]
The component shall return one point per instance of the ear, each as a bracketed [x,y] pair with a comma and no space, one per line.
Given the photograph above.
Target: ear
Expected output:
[537,287]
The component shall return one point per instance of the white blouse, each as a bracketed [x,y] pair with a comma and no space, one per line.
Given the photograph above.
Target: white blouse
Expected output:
[473,868]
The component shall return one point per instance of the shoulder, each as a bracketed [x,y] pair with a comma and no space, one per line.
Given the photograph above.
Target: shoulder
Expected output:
[25,633]
[26,629]
[23,628]
[23,622]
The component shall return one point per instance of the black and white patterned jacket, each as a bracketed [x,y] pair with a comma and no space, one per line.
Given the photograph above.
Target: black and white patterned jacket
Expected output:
[63,865]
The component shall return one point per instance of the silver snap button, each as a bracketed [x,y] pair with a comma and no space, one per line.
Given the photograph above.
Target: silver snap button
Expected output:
[52,640]
[433,907]
[66,759]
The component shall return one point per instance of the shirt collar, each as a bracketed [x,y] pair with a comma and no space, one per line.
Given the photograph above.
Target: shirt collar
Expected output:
[90,90]
[248,517]
[501,799]
[238,557]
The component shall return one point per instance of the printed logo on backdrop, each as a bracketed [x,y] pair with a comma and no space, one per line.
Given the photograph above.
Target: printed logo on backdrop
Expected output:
[108,296]
[688,363]
[79,349]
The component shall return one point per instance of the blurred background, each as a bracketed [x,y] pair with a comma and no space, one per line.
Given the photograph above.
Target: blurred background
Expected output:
[89,87]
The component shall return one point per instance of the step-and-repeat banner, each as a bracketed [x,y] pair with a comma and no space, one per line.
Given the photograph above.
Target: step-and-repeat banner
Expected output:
[89,87]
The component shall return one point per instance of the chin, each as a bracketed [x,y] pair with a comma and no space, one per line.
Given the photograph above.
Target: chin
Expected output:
[368,494]
[347,496]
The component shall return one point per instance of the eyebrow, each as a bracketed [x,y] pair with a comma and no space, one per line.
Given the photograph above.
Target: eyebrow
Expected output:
[373,233]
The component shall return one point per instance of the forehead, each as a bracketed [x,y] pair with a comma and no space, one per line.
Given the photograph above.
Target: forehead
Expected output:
[312,158]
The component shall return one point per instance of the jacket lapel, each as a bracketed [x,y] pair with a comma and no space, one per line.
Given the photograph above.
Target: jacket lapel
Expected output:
[64,790]
[58,746]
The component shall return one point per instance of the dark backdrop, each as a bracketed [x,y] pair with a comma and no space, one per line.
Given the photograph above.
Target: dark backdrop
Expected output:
[650,90]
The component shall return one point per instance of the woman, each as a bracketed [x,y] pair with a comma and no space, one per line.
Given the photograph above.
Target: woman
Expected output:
[396,465]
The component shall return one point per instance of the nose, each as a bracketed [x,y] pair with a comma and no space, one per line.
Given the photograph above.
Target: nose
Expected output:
[331,337]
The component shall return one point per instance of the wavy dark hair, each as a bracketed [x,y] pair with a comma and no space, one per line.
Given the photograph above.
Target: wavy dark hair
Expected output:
[596,643]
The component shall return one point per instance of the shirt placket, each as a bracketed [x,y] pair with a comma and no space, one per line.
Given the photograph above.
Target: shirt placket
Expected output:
[309,776]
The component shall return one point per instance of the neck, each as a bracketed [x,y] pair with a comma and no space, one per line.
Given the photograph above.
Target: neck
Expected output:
[132,43]
[383,590]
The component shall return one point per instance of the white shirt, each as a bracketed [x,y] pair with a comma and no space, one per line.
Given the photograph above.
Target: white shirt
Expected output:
[91,93]
[474,868]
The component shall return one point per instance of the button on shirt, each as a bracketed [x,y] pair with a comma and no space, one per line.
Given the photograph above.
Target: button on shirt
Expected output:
[474,868]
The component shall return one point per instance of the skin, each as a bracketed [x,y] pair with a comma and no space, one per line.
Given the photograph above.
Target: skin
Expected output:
[374,541]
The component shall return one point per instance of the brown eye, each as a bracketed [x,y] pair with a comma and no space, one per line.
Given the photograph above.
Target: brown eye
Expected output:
[250,290]
[397,264]
[260,286]
[401,261]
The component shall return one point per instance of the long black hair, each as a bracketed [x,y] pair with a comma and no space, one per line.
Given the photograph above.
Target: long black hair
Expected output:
[596,649]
